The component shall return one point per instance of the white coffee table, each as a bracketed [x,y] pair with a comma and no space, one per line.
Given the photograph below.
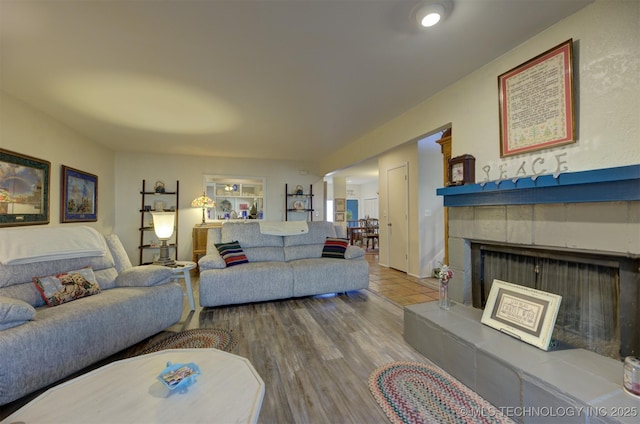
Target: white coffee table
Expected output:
[183,270]
[128,391]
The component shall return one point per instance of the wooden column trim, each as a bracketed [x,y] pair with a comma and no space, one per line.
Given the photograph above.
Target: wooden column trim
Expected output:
[445,148]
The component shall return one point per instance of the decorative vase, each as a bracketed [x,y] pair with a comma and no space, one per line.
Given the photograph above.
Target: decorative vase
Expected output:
[444,296]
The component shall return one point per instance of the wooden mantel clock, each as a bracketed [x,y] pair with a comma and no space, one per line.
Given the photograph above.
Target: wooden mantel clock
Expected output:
[462,170]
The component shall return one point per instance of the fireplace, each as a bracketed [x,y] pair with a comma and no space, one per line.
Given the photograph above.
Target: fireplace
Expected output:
[584,222]
[593,314]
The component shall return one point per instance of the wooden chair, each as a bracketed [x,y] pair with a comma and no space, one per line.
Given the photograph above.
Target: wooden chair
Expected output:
[371,232]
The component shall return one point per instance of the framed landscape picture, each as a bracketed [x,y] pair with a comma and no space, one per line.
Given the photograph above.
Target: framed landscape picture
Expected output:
[24,189]
[536,102]
[522,312]
[79,196]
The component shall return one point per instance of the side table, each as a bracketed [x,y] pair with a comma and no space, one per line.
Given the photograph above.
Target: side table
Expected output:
[183,270]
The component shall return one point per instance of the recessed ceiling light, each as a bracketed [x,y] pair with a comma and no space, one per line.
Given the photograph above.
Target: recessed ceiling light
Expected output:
[429,14]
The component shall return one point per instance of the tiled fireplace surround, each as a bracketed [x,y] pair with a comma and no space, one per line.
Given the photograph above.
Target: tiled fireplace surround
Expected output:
[591,212]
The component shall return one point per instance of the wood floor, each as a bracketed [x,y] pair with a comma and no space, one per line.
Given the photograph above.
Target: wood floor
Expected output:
[315,354]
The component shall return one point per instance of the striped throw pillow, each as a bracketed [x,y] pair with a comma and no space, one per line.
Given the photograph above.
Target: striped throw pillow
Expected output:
[232,253]
[334,248]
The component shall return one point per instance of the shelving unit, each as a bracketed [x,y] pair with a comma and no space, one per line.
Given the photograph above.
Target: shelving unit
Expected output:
[296,204]
[170,199]
[235,196]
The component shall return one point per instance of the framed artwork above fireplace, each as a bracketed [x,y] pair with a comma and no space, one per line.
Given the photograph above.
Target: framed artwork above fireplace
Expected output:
[536,102]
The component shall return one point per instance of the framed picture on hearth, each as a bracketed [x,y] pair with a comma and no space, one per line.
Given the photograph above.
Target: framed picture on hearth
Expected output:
[24,189]
[521,312]
[536,102]
[79,196]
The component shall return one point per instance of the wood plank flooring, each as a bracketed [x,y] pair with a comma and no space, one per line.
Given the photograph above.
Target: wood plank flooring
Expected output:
[315,354]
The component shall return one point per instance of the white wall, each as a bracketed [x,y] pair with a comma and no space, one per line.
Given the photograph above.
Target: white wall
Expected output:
[132,168]
[28,131]
[430,206]
[607,75]
[405,154]
[607,93]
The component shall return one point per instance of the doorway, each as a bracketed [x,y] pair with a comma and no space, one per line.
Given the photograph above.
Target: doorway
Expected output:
[397,222]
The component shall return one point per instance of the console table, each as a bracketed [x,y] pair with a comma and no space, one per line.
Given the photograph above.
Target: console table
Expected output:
[199,236]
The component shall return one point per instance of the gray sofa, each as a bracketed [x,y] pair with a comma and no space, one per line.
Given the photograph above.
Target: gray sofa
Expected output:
[42,344]
[279,266]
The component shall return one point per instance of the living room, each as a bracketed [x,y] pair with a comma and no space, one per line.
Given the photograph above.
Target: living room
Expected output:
[607,51]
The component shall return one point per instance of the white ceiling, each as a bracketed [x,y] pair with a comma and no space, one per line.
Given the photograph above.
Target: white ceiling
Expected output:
[285,79]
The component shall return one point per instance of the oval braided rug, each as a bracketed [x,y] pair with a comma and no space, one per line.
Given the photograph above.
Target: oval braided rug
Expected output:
[216,338]
[410,392]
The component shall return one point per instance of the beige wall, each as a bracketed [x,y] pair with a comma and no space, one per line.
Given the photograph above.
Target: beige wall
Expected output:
[405,154]
[607,58]
[28,131]
[607,37]
[132,168]
[607,76]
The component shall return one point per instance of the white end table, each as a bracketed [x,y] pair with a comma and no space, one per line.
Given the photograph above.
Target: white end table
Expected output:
[183,270]
[128,391]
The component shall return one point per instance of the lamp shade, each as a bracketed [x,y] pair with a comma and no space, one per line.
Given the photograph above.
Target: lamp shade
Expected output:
[163,224]
[202,202]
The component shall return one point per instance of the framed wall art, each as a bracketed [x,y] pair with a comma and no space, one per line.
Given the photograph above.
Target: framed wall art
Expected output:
[24,189]
[536,102]
[522,312]
[339,217]
[340,205]
[79,196]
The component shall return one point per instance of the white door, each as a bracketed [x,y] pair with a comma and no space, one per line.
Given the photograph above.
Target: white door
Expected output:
[397,222]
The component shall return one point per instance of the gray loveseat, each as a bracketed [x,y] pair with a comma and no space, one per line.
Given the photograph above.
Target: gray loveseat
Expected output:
[42,344]
[278,267]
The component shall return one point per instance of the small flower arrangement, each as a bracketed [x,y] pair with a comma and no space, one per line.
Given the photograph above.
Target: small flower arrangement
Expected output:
[445,274]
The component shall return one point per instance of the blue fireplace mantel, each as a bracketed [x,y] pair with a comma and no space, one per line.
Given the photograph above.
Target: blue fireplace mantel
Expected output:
[599,185]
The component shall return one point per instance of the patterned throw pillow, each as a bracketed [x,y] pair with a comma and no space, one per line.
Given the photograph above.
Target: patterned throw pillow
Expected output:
[232,253]
[334,248]
[67,286]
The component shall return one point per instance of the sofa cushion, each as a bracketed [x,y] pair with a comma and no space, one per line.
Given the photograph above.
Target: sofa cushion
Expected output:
[67,286]
[212,261]
[143,276]
[354,252]
[14,312]
[120,257]
[334,247]
[248,235]
[318,232]
[232,253]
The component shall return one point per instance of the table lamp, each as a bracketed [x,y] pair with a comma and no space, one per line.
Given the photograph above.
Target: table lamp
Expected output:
[203,202]
[163,225]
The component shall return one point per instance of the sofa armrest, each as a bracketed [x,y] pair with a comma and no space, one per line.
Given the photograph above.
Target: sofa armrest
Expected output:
[354,252]
[144,276]
[212,261]
[14,312]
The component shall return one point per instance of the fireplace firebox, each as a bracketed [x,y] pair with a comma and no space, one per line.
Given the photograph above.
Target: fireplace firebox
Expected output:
[600,293]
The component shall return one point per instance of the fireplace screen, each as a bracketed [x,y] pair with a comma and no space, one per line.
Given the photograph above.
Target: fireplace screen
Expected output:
[589,313]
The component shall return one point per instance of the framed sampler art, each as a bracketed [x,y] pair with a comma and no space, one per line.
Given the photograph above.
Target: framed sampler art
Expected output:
[522,312]
[536,102]
[24,189]
[79,196]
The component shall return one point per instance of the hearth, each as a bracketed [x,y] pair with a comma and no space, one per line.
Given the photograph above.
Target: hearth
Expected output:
[600,293]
